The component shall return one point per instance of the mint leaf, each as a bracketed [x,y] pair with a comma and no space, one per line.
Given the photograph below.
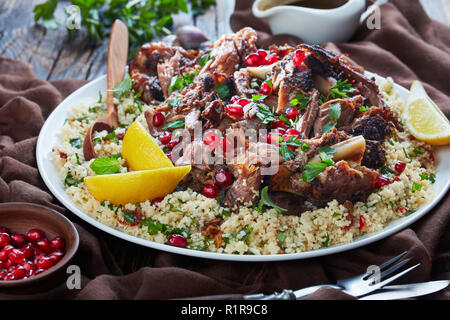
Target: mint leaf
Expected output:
[174,124]
[122,87]
[312,170]
[222,90]
[105,166]
[265,200]
[335,112]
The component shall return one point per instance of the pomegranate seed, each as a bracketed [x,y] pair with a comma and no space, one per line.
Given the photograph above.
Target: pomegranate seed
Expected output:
[34,235]
[350,218]
[395,179]
[157,201]
[7,248]
[299,56]
[262,54]
[211,140]
[293,132]
[235,99]
[38,252]
[57,243]
[210,191]
[292,113]
[3,274]
[16,255]
[56,255]
[253,60]
[362,222]
[177,240]
[16,274]
[3,256]
[44,262]
[235,110]
[28,266]
[18,240]
[173,143]
[44,245]
[265,88]
[400,167]
[5,239]
[223,178]
[286,136]
[381,182]
[28,251]
[165,137]
[8,263]
[271,59]
[277,123]
[243,102]
[402,210]
[158,119]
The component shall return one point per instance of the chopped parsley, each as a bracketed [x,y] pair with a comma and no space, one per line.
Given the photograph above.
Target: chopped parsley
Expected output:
[176,84]
[71,181]
[416,187]
[282,240]
[418,151]
[304,147]
[258,97]
[76,143]
[129,217]
[265,114]
[341,89]
[204,59]
[386,170]
[326,241]
[285,151]
[244,233]
[300,101]
[364,108]
[175,102]
[431,177]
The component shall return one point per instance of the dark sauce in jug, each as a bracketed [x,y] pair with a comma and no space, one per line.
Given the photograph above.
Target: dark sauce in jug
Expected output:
[318,4]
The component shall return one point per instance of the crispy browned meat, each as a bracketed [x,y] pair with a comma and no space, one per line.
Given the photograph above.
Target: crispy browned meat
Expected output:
[340,182]
[375,124]
[348,108]
[306,122]
[374,156]
[327,63]
[245,190]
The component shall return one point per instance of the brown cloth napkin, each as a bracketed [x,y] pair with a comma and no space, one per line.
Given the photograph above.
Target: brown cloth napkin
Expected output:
[408,46]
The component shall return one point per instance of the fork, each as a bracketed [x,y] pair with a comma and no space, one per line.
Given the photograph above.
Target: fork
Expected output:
[356,286]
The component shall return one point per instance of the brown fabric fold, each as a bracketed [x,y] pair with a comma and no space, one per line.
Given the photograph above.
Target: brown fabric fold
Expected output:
[408,46]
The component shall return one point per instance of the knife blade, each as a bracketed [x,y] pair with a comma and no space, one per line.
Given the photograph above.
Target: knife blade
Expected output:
[407,290]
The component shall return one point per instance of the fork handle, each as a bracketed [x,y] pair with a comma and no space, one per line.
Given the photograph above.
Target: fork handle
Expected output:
[307,291]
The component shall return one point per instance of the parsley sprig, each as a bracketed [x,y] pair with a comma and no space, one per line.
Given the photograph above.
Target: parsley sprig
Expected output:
[144,19]
[313,169]
[341,89]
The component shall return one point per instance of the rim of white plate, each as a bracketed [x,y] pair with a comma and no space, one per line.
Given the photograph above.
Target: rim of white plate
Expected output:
[49,136]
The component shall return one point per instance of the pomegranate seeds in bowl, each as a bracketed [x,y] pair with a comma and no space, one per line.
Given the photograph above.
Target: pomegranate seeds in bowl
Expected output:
[23,256]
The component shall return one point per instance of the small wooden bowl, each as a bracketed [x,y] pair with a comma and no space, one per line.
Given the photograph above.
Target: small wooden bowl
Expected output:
[19,217]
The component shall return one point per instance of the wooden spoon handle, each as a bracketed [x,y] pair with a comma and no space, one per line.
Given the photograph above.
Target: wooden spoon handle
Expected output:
[116,63]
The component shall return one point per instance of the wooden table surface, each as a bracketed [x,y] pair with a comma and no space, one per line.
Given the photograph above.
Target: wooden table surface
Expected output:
[53,55]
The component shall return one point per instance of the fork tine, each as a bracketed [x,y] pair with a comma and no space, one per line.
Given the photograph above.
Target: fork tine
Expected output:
[394,268]
[393,260]
[393,278]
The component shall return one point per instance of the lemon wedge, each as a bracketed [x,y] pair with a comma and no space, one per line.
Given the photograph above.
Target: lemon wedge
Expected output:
[141,152]
[424,120]
[135,186]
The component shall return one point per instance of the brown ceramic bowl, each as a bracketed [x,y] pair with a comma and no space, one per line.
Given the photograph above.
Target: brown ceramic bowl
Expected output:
[19,217]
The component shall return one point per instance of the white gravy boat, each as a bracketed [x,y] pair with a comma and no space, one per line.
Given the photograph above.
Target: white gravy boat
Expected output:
[314,26]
